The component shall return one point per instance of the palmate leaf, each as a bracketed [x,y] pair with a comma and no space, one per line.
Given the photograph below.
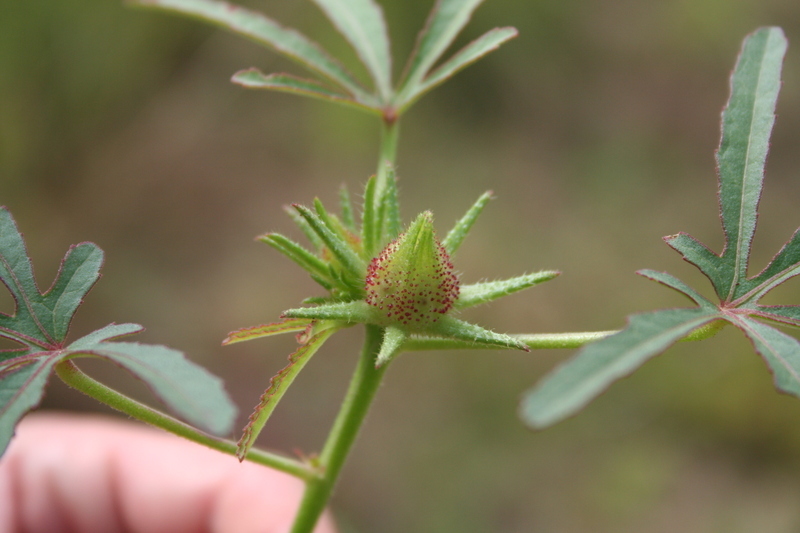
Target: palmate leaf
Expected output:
[40,325]
[576,383]
[486,43]
[361,22]
[42,320]
[286,83]
[746,126]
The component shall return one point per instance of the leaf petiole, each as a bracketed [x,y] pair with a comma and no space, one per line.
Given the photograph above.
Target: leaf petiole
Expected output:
[75,378]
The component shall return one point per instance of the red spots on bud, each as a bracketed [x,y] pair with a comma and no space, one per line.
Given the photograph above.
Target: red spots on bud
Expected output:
[412,282]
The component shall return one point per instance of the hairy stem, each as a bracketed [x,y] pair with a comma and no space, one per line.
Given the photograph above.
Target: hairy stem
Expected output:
[360,394]
[540,341]
[388,153]
[75,378]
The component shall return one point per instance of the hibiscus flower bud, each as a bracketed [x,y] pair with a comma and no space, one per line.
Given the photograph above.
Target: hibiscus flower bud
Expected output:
[411,284]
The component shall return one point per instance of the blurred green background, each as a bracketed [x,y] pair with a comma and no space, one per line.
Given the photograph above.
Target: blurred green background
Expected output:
[595,129]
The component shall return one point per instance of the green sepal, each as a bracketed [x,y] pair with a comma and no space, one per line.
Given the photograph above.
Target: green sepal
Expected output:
[305,227]
[346,207]
[309,262]
[352,264]
[350,312]
[452,242]
[369,220]
[278,385]
[449,326]
[393,339]
[479,293]
[289,325]
[390,223]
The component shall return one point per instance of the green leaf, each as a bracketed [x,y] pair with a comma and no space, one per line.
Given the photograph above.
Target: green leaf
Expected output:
[674,283]
[452,242]
[363,25]
[479,293]
[254,79]
[186,388]
[578,381]
[445,22]
[716,269]
[289,325]
[746,126]
[42,320]
[111,331]
[784,266]
[488,42]
[20,391]
[264,30]
[780,351]
[277,387]
[785,314]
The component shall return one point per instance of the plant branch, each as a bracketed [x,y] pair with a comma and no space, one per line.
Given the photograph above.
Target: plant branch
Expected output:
[75,378]
[360,394]
[542,341]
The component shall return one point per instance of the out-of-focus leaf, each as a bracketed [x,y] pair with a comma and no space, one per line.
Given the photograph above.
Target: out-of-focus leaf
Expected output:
[445,22]
[263,30]
[581,379]
[454,238]
[475,50]
[361,22]
[286,83]
[189,390]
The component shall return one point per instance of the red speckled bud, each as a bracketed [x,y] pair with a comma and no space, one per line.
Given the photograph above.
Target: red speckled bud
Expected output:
[412,283]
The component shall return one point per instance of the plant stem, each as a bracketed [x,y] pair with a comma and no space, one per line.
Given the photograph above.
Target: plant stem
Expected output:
[363,386]
[539,341]
[75,378]
[388,153]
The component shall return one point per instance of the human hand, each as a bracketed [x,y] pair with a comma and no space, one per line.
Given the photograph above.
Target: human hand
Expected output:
[93,474]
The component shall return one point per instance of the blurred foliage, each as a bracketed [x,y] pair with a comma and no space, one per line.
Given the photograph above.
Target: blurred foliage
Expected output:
[120,127]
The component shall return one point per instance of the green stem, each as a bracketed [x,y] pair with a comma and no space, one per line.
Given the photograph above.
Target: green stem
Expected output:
[75,378]
[388,153]
[363,387]
[540,341]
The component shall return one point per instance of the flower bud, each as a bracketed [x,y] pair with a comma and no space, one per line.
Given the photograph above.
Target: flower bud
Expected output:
[411,284]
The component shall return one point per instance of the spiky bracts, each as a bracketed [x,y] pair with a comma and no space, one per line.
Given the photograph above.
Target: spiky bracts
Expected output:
[412,283]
